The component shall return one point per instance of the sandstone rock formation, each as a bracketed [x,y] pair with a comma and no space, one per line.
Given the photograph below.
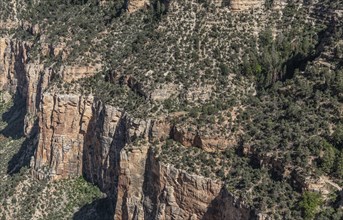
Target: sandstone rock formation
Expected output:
[12,65]
[169,193]
[81,136]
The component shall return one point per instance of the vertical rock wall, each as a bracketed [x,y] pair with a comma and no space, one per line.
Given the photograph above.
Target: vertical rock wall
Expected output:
[78,135]
[81,136]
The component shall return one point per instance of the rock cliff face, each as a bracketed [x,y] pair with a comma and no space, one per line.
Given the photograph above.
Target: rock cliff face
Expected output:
[208,143]
[134,5]
[190,99]
[81,136]
[78,134]
[12,65]
[27,80]
[23,79]
[169,193]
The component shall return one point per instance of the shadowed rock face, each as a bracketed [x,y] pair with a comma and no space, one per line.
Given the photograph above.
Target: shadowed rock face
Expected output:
[12,65]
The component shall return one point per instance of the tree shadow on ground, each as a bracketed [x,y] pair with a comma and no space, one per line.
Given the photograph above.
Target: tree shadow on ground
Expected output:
[224,207]
[15,119]
[23,157]
[100,209]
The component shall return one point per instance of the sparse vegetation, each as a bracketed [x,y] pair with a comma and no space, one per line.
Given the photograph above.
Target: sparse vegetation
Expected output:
[268,82]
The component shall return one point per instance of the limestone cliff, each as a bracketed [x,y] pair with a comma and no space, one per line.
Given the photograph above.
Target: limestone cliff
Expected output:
[27,79]
[169,193]
[82,136]
[22,79]
[79,135]
[12,65]
[190,89]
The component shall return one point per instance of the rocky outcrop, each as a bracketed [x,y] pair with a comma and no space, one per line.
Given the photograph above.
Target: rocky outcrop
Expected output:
[79,135]
[73,73]
[22,79]
[169,193]
[130,5]
[134,5]
[209,143]
[8,24]
[239,5]
[13,56]
[82,136]
[59,152]
[164,92]
[38,78]
[209,201]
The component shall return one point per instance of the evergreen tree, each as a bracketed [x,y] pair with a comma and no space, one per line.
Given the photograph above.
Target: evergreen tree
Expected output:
[328,159]
[309,204]
[339,165]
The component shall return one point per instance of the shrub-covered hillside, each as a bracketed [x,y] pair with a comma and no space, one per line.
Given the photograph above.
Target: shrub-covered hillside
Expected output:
[268,81]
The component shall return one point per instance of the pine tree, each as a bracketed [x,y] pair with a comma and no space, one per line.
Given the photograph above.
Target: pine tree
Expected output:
[328,159]
[339,165]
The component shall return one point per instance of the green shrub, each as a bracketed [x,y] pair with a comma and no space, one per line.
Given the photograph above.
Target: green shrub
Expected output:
[310,204]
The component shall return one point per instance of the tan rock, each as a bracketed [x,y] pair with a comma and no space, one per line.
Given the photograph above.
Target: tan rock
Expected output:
[72,73]
[169,193]
[8,24]
[81,136]
[60,138]
[134,5]
[164,92]
[209,143]
[239,5]
[13,57]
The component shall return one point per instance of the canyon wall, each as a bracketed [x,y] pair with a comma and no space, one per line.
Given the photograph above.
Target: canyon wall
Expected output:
[82,136]
[27,80]
[170,193]
[79,135]
[12,65]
